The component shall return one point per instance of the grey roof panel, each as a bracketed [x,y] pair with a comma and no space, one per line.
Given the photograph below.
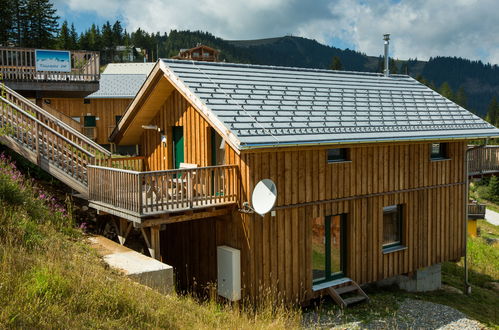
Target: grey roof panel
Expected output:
[118,86]
[264,105]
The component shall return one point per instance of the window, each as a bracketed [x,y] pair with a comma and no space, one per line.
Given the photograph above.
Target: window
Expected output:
[328,253]
[117,119]
[438,151]
[337,155]
[77,119]
[89,121]
[392,226]
[86,101]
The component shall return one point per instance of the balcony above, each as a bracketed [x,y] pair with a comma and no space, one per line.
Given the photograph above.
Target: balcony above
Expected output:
[143,196]
[18,71]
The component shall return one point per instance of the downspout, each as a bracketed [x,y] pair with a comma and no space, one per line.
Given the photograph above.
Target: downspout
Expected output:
[467,285]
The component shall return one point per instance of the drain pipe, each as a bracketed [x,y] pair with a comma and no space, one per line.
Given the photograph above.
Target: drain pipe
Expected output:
[467,285]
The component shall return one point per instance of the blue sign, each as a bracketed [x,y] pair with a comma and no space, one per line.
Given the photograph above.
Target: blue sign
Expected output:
[53,60]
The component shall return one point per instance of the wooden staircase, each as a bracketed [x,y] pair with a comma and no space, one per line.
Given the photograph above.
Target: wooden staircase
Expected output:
[347,292]
[47,141]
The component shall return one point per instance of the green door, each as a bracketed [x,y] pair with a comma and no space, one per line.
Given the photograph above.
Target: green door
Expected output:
[178,146]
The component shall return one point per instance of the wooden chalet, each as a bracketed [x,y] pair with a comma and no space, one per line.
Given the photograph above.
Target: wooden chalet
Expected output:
[370,172]
[198,53]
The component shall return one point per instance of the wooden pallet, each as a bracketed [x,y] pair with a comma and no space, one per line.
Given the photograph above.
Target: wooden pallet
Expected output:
[347,293]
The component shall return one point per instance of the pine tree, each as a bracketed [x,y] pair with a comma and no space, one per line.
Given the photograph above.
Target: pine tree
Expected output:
[107,36]
[43,24]
[6,13]
[461,98]
[494,188]
[446,91]
[20,23]
[492,112]
[117,33]
[64,38]
[73,36]
[336,64]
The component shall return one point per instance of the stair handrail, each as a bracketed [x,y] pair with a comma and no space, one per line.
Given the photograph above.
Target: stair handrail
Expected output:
[55,119]
[39,122]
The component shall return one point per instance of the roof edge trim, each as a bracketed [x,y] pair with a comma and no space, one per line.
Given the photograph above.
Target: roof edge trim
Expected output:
[372,140]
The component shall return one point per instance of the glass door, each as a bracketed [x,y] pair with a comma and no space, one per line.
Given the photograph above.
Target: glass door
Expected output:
[328,248]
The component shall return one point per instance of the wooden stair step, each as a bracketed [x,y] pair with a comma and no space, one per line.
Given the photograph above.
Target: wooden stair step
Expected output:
[354,299]
[346,289]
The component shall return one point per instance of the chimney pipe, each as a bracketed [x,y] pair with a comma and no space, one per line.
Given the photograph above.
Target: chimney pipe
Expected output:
[386,38]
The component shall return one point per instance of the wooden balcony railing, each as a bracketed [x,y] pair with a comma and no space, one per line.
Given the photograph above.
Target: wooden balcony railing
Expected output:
[128,163]
[476,211]
[18,64]
[50,143]
[142,194]
[483,160]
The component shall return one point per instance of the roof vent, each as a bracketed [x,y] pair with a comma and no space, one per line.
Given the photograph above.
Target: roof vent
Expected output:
[386,38]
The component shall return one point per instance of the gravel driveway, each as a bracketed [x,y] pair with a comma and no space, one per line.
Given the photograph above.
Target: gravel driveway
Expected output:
[414,314]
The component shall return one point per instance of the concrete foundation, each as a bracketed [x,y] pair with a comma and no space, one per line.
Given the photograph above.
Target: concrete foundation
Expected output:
[138,267]
[424,279]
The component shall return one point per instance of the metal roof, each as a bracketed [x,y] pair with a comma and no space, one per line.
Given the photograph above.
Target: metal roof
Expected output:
[118,86]
[129,68]
[264,105]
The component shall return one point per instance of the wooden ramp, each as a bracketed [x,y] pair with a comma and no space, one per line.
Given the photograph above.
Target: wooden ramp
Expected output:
[347,292]
[47,141]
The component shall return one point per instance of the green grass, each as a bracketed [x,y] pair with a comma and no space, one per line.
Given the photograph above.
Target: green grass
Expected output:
[50,278]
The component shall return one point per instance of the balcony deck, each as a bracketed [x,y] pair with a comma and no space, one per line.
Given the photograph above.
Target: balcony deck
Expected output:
[138,196]
[484,161]
[18,71]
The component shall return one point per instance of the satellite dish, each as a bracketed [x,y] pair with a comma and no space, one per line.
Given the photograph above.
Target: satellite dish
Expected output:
[264,196]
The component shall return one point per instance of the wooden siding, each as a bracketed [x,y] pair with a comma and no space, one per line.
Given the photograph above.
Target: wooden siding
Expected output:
[177,111]
[105,109]
[277,250]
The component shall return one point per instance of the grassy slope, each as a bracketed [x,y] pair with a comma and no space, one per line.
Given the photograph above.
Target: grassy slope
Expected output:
[50,278]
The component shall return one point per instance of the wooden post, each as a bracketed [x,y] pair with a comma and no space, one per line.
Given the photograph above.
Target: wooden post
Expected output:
[123,230]
[151,236]
[155,242]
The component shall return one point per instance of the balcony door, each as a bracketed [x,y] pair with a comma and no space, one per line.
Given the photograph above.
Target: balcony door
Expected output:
[328,248]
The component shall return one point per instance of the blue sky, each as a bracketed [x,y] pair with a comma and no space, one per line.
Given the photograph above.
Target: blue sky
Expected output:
[419,28]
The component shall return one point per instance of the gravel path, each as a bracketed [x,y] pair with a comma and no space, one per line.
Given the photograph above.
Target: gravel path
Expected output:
[413,314]
[492,217]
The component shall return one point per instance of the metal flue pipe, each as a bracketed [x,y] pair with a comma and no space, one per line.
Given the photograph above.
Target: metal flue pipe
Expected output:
[386,38]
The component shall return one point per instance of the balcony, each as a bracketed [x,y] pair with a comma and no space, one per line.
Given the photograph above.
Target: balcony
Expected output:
[18,71]
[483,161]
[137,196]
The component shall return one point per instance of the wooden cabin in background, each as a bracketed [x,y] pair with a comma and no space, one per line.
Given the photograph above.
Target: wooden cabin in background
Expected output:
[97,114]
[198,53]
[369,170]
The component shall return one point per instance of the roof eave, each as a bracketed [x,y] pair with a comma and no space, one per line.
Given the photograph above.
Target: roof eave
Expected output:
[253,146]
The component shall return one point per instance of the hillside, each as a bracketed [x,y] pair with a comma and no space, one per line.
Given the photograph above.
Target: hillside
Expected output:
[480,81]
[51,278]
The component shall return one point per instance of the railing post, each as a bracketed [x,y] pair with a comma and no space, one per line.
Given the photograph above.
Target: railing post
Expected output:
[139,178]
[189,188]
